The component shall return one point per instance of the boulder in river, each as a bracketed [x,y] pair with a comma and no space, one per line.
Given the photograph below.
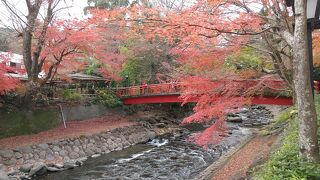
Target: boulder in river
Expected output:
[69,165]
[26,168]
[38,169]
[53,169]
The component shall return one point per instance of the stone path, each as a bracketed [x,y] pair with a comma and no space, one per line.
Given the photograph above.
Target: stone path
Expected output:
[74,129]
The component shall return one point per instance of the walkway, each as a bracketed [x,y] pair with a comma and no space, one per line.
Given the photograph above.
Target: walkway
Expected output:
[252,154]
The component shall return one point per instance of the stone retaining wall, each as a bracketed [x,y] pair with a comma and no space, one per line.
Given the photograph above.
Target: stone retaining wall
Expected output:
[84,112]
[72,149]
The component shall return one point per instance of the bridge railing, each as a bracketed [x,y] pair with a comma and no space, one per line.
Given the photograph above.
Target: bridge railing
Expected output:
[152,89]
[275,86]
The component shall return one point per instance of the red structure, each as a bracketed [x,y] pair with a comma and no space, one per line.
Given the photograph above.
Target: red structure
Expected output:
[170,93]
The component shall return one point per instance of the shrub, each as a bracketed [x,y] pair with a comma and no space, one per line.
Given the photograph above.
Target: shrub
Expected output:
[70,95]
[108,98]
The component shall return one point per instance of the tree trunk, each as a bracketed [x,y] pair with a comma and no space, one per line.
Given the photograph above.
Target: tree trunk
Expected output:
[308,141]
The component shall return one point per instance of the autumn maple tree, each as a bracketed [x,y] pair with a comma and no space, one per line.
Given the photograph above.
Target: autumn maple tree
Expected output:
[8,83]
[205,33]
[68,45]
[56,47]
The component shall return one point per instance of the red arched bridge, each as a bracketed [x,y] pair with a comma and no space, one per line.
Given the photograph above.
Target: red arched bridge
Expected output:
[170,92]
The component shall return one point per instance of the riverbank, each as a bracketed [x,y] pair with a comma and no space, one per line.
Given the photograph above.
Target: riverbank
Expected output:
[238,162]
[31,160]
[63,148]
[65,151]
[74,129]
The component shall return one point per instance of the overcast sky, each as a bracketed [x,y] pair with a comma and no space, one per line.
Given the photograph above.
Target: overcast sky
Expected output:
[75,11]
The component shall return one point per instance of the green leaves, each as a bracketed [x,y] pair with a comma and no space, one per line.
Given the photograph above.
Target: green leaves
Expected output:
[247,60]
[285,163]
[108,98]
[70,95]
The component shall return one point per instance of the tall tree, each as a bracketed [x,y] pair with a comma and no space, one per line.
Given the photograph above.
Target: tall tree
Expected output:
[308,141]
[69,43]
[50,43]
[205,33]
[26,26]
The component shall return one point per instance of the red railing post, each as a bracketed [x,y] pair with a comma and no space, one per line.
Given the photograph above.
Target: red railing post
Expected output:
[316,86]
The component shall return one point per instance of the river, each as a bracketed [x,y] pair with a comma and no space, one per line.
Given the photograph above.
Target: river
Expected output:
[169,157]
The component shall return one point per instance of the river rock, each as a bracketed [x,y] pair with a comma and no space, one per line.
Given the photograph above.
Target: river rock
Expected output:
[26,168]
[60,166]
[77,142]
[149,135]
[38,169]
[82,159]
[56,149]
[82,154]
[53,169]
[95,155]
[26,149]
[6,153]
[89,152]
[76,149]
[12,172]
[3,174]
[18,155]
[73,155]
[160,125]
[234,119]
[79,163]
[49,157]
[62,153]
[69,165]
[42,155]
[68,148]
[9,162]
[43,146]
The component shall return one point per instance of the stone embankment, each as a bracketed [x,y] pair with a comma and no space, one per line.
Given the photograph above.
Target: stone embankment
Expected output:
[38,159]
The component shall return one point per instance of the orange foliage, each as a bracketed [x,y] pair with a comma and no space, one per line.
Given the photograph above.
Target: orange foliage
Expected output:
[202,35]
[316,48]
[70,43]
[7,83]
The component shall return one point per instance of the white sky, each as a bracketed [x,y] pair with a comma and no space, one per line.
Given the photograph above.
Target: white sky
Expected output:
[75,11]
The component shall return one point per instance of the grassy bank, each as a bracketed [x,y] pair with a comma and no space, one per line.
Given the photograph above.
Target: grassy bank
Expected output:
[285,162]
[27,122]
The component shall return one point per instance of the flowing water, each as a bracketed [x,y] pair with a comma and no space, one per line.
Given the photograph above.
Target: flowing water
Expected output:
[171,157]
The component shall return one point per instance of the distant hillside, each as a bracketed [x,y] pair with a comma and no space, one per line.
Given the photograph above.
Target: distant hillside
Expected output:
[4,40]
[9,41]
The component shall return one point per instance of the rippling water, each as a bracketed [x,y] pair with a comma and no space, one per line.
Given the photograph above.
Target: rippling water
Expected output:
[167,158]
